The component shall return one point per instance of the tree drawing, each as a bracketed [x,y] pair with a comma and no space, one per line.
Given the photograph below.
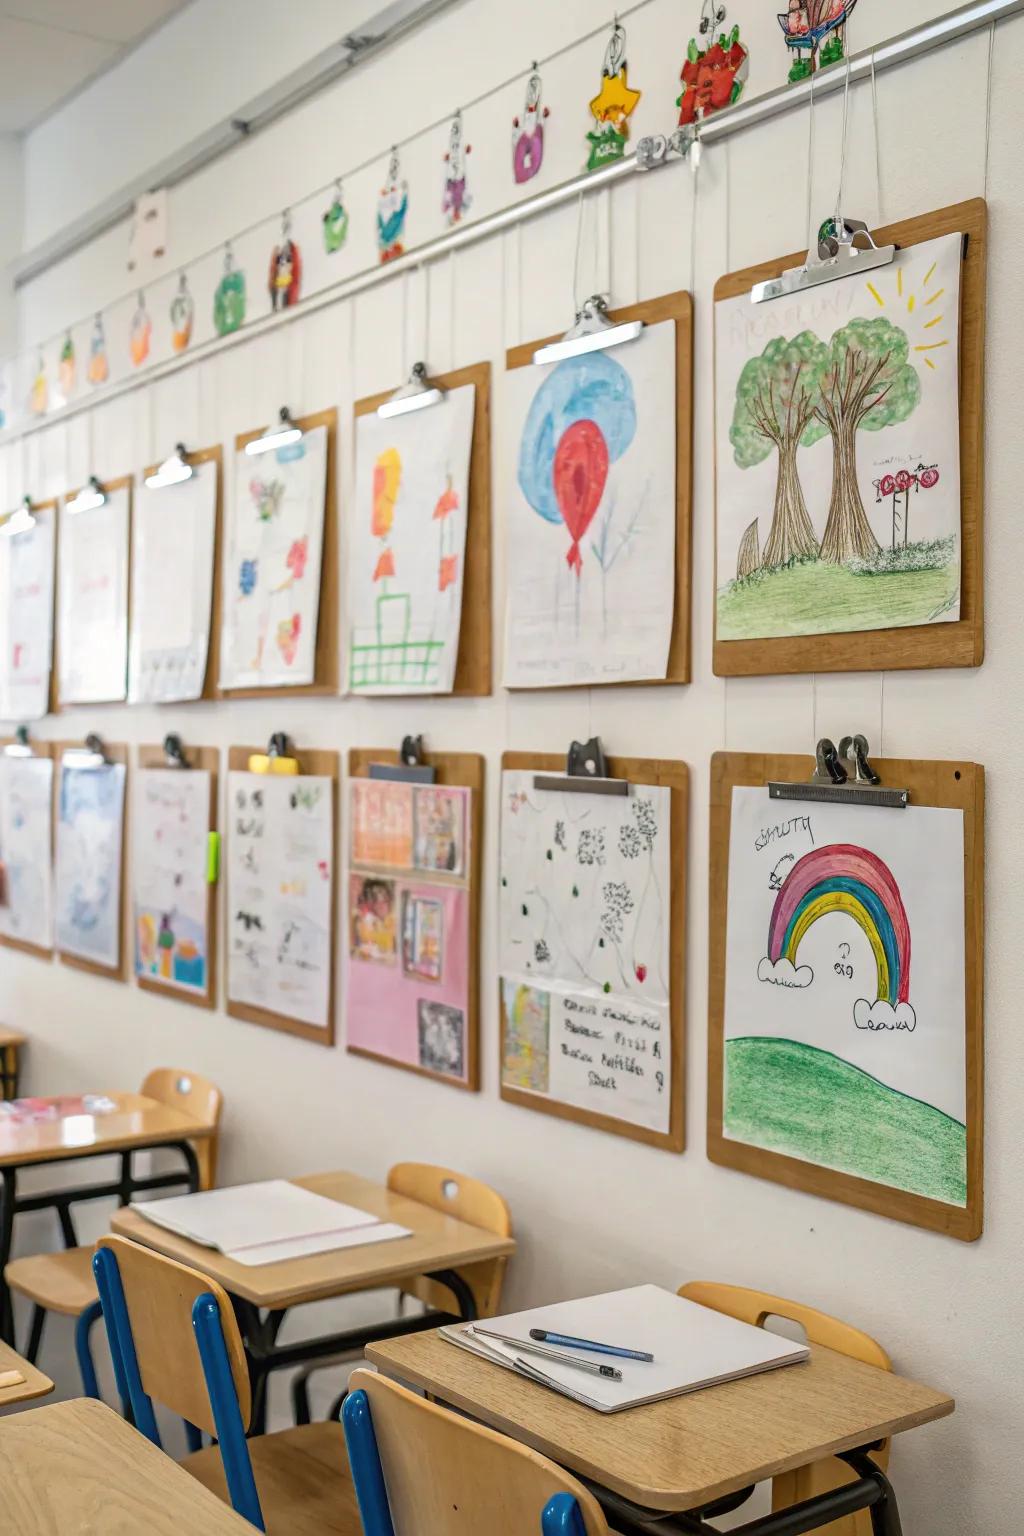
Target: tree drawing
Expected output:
[866,384]
[776,407]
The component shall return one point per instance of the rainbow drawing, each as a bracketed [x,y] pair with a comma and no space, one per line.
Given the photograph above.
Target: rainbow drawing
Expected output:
[843,878]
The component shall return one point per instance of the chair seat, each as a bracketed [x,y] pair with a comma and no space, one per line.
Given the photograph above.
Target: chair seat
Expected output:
[302,1477]
[60,1282]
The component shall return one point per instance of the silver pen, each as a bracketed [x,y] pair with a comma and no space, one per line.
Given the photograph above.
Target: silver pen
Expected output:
[592,1368]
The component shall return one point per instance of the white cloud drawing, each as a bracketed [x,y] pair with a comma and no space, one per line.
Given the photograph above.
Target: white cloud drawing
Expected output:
[783,973]
[881,1015]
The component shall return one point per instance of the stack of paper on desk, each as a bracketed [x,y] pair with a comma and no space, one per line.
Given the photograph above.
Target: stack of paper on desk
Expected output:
[268,1222]
[693,1346]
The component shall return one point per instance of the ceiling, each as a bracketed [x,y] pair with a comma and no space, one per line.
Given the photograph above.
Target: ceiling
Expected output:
[50,48]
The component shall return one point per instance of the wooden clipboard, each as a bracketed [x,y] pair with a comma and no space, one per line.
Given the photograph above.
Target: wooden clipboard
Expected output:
[50,506]
[41,951]
[327,661]
[473,663]
[212,455]
[324,764]
[206,759]
[114,752]
[679,308]
[464,769]
[956,785]
[957,644]
[123,483]
[675,776]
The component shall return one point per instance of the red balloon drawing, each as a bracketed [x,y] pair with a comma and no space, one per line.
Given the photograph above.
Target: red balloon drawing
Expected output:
[928,478]
[579,473]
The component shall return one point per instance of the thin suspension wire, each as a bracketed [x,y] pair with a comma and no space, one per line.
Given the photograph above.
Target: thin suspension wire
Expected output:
[810,162]
[576,256]
[878,148]
[988,100]
[846,125]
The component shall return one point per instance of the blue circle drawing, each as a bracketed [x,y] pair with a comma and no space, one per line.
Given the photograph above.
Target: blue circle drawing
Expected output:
[593,387]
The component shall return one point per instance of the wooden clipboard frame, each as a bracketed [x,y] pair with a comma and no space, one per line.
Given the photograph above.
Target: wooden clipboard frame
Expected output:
[51,506]
[956,785]
[210,691]
[312,763]
[327,656]
[473,662]
[122,483]
[457,770]
[675,776]
[114,752]
[44,749]
[959,644]
[206,759]
[679,308]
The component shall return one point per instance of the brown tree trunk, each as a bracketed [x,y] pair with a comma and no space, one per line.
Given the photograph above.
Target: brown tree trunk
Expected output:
[848,533]
[792,535]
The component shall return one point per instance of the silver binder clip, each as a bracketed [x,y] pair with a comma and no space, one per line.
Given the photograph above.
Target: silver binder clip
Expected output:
[843,776]
[844,248]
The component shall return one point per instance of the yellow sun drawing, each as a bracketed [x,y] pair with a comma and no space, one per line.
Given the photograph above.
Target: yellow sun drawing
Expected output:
[920,312]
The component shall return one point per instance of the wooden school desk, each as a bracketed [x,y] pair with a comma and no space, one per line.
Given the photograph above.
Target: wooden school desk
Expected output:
[11,1043]
[35,1384]
[77,1469]
[686,1454]
[438,1246]
[134,1123]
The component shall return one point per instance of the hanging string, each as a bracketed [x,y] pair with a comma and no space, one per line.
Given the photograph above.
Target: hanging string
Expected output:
[810,164]
[878,148]
[988,99]
[405,325]
[576,256]
[451,311]
[846,124]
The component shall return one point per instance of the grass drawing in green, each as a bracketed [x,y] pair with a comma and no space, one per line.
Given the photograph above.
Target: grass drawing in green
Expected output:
[807,1103]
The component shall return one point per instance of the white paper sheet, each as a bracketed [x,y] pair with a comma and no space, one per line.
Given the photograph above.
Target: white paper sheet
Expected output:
[93,604]
[838,452]
[26,837]
[591,515]
[271,585]
[245,1215]
[172,588]
[844,1002]
[26,619]
[169,887]
[89,830]
[280,864]
[407,566]
[584,948]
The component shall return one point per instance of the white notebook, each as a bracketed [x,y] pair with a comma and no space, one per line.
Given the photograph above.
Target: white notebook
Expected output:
[693,1346]
[267,1222]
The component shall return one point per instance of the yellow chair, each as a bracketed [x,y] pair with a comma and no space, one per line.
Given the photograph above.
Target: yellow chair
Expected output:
[174,1338]
[755,1307]
[63,1281]
[445,1475]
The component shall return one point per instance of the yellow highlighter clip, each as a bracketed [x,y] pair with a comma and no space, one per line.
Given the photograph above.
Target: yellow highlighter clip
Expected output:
[276,759]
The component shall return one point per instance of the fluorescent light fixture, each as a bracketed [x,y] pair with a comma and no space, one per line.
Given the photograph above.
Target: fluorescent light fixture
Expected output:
[88,499]
[277,437]
[21,521]
[413,396]
[172,471]
[593,331]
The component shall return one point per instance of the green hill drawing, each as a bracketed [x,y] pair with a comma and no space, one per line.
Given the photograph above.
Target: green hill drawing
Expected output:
[808,1103]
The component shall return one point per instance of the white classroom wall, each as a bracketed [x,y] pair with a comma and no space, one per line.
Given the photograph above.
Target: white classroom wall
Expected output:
[592,1211]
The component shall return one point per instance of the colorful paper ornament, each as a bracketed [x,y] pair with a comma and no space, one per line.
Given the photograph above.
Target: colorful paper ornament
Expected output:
[392,209]
[182,314]
[229,297]
[613,105]
[715,70]
[140,334]
[66,370]
[456,200]
[335,222]
[285,277]
[528,132]
[816,34]
[98,369]
[39,395]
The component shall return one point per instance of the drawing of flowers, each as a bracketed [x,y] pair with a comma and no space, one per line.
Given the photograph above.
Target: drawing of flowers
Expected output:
[560,834]
[288,637]
[297,557]
[248,573]
[618,904]
[590,848]
[268,495]
[448,573]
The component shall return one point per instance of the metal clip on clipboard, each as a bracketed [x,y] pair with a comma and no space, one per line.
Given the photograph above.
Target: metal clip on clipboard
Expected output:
[92,755]
[837,254]
[19,747]
[276,759]
[410,768]
[174,752]
[843,777]
[586,772]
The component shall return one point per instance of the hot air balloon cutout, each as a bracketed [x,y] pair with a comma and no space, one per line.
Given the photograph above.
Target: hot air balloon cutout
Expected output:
[815,34]
[229,296]
[98,368]
[528,132]
[715,70]
[392,209]
[67,372]
[284,279]
[456,200]
[581,420]
[613,105]
[335,221]
[182,314]
[141,333]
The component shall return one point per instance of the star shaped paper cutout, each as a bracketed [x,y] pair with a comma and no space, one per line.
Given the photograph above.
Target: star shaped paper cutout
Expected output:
[615,101]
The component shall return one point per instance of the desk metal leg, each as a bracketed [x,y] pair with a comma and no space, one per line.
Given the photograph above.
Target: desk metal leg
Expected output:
[8,1199]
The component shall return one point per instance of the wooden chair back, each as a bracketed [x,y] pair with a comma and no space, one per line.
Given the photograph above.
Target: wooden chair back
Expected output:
[446,1476]
[159,1294]
[755,1307]
[195,1096]
[469,1200]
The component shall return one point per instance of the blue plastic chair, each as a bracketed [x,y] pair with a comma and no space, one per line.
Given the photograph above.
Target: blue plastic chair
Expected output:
[414,1462]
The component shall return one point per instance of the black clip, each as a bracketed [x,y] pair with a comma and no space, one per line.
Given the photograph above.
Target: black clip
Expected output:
[19,747]
[410,768]
[586,772]
[174,752]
